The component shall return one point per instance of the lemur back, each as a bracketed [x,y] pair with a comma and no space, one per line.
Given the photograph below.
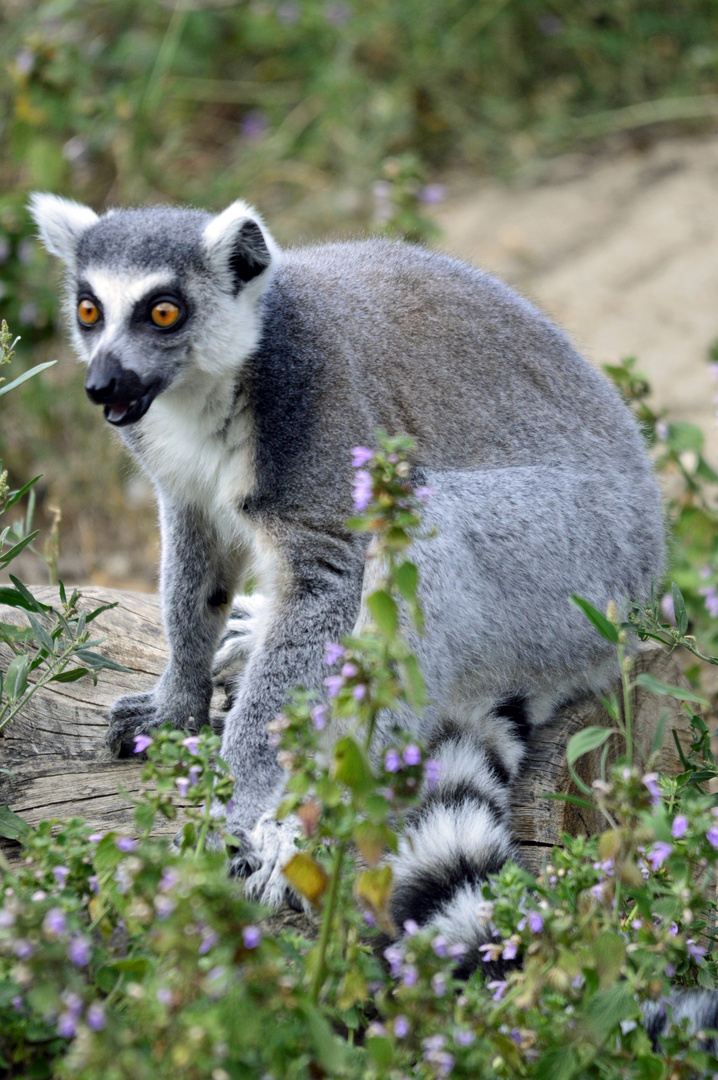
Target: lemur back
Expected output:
[242,377]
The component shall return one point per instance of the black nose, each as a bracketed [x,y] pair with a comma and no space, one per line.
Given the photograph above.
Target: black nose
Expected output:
[108,382]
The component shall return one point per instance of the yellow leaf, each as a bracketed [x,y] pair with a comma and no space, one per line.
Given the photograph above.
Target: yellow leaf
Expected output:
[374,888]
[306,876]
[352,988]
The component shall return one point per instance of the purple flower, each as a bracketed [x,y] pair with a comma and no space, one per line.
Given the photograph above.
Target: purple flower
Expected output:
[412,754]
[319,716]
[169,879]
[254,125]
[409,975]
[659,853]
[432,773]
[650,781]
[164,906]
[54,922]
[66,1026]
[360,456]
[164,995]
[439,946]
[392,761]
[712,836]
[438,984]
[125,843]
[535,922]
[208,941]
[401,1027]
[95,837]
[424,493]
[695,951]
[490,951]
[458,950]
[60,874]
[362,490]
[465,1038]
[17,1003]
[369,918]
[510,950]
[142,742]
[333,683]
[95,1016]
[349,670]
[679,827]
[72,1002]
[333,652]
[7,919]
[195,771]
[432,194]
[192,743]
[411,927]
[395,957]
[182,785]
[252,936]
[23,949]
[79,950]
[94,883]
[359,692]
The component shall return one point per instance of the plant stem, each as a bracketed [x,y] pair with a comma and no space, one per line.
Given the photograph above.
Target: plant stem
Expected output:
[327,921]
[626,665]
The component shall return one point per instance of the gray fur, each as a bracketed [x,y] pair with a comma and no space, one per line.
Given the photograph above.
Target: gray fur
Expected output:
[284,363]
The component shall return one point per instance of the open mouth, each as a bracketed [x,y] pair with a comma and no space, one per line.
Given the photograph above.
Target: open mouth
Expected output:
[122,413]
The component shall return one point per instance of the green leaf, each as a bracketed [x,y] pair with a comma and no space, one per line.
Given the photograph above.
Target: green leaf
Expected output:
[41,634]
[15,496]
[584,741]
[406,579]
[560,1064]
[679,608]
[16,678]
[8,556]
[384,612]
[70,675]
[12,826]
[413,681]
[27,375]
[350,765]
[98,661]
[684,436]
[650,682]
[606,1010]
[573,799]
[35,604]
[90,615]
[605,628]
[610,952]
[14,598]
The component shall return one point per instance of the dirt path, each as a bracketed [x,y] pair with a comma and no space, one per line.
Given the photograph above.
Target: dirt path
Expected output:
[622,251]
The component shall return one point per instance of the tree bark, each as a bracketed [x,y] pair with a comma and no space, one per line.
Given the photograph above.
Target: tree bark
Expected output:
[58,765]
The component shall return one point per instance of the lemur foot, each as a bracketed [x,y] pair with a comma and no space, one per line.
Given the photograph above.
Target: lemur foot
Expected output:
[239,638]
[262,859]
[141,714]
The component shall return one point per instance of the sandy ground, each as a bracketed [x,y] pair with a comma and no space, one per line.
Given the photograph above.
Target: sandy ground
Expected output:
[622,251]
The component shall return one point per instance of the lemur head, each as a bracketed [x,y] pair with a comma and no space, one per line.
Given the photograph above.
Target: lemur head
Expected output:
[155,294]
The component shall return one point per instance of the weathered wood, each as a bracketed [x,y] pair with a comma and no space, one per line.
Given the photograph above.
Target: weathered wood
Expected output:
[59,766]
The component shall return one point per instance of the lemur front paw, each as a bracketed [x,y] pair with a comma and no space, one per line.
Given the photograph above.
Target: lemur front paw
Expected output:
[266,850]
[140,714]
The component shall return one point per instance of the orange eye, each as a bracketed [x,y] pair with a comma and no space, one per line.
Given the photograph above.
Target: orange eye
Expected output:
[87,312]
[165,314]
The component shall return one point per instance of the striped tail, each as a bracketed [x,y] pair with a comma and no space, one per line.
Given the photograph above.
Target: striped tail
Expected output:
[461,832]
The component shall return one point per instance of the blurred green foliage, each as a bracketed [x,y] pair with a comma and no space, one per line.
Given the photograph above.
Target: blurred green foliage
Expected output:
[332,116]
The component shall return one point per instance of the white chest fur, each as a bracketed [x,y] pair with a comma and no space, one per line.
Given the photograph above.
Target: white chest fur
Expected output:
[202,455]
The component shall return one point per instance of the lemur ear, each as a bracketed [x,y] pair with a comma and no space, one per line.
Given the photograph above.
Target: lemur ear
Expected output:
[239,245]
[61,223]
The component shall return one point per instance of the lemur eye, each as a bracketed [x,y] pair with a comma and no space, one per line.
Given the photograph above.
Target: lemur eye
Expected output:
[87,312]
[165,314]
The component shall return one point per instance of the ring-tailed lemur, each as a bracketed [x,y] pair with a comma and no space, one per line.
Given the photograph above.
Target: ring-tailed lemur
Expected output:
[242,377]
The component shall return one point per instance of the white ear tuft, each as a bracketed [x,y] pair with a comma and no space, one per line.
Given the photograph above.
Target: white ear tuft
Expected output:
[239,245]
[60,223]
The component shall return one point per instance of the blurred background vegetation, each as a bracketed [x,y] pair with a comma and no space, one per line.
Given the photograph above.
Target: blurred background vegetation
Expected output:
[333,116]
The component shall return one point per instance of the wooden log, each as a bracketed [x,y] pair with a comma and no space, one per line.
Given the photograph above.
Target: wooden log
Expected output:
[59,766]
